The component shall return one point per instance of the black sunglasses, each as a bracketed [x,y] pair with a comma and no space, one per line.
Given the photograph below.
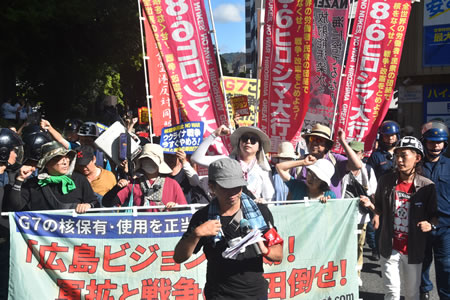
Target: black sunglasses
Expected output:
[253,139]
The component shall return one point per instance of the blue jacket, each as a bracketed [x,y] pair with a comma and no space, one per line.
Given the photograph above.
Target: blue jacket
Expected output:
[439,173]
[382,162]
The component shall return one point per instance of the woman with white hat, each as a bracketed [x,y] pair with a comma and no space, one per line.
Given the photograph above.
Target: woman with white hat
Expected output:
[249,146]
[150,189]
[318,179]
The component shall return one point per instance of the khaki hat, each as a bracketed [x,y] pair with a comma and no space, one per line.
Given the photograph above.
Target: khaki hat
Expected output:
[51,150]
[227,173]
[286,150]
[234,138]
[356,146]
[321,131]
[156,153]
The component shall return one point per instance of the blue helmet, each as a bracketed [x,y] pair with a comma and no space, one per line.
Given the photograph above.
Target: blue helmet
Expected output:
[389,127]
[435,131]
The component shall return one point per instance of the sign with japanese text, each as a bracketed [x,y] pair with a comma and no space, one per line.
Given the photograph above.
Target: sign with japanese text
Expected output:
[237,86]
[329,36]
[436,101]
[286,66]
[121,256]
[436,33]
[181,33]
[143,115]
[371,70]
[185,136]
[239,105]
[161,91]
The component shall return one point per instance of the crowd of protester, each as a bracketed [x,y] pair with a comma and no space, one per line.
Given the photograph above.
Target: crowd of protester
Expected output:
[403,187]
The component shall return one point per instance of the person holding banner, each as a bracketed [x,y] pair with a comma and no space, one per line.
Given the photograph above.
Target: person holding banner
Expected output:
[151,189]
[319,143]
[220,225]
[407,203]
[55,187]
[249,146]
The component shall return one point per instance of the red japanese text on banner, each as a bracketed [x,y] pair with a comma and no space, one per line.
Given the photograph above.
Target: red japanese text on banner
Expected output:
[329,35]
[158,82]
[181,32]
[372,66]
[286,65]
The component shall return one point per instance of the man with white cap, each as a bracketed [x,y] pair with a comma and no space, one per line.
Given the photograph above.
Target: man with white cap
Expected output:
[152,188]
[215,228]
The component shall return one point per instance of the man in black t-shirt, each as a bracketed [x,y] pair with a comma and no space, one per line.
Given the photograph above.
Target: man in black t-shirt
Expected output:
[220,225]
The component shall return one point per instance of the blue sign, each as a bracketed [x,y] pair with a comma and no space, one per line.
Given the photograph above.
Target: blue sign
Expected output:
[436,101]
[185,136]
[436,33]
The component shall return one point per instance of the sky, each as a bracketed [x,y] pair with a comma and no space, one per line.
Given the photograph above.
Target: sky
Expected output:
[229,19]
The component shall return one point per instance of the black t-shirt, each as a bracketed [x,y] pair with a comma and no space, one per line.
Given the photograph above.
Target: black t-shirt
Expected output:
[228,278]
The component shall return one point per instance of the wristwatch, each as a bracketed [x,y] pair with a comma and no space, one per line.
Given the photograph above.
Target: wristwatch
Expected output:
[433,227]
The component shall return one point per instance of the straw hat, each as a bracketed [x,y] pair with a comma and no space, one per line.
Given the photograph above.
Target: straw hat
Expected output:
[286,150]
[321,131]
[156,154]
[265,141]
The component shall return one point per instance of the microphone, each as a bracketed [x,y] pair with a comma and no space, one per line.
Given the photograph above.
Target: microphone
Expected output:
[245,229]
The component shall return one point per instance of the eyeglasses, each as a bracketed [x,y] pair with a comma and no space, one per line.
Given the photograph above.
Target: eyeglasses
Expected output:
[253,139]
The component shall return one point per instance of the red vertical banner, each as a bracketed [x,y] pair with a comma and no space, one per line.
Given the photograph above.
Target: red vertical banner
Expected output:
[328,44]
[161,91]
[372,65]
[286,65]
[181,32]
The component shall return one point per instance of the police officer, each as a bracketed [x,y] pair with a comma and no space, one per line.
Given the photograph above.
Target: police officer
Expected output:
[11,154]
[382,160]
[437,168]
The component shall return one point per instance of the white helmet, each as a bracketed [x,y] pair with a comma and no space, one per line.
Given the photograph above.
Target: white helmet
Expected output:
[410,142]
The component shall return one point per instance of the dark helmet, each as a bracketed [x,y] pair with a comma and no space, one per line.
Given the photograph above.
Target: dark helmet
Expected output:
[33,143]
[88,129]
[410,142]
[9,141]
[72,125]
[389,127]
[31,129]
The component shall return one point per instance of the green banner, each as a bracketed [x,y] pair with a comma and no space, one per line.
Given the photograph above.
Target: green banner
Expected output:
[121,256]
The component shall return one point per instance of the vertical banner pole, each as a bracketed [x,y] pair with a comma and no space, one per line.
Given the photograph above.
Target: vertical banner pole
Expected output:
[336,101]
[145,58]
[222,82]
[259,40]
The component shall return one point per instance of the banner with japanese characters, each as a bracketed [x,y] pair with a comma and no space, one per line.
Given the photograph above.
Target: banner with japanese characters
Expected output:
[181,31]
[436,103]
[185,136]
[237,86]
[328,44]
[286,66]
[162,101]
[436,33]
[121,256]
[371,71]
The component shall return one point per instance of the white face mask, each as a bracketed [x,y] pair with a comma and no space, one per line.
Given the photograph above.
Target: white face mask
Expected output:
[149,167]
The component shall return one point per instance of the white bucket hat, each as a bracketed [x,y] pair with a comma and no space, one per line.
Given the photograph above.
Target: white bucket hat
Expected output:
[323,169]
[286,150]
[156,153]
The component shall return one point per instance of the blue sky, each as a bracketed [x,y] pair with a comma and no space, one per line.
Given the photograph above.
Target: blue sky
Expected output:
[229,18]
